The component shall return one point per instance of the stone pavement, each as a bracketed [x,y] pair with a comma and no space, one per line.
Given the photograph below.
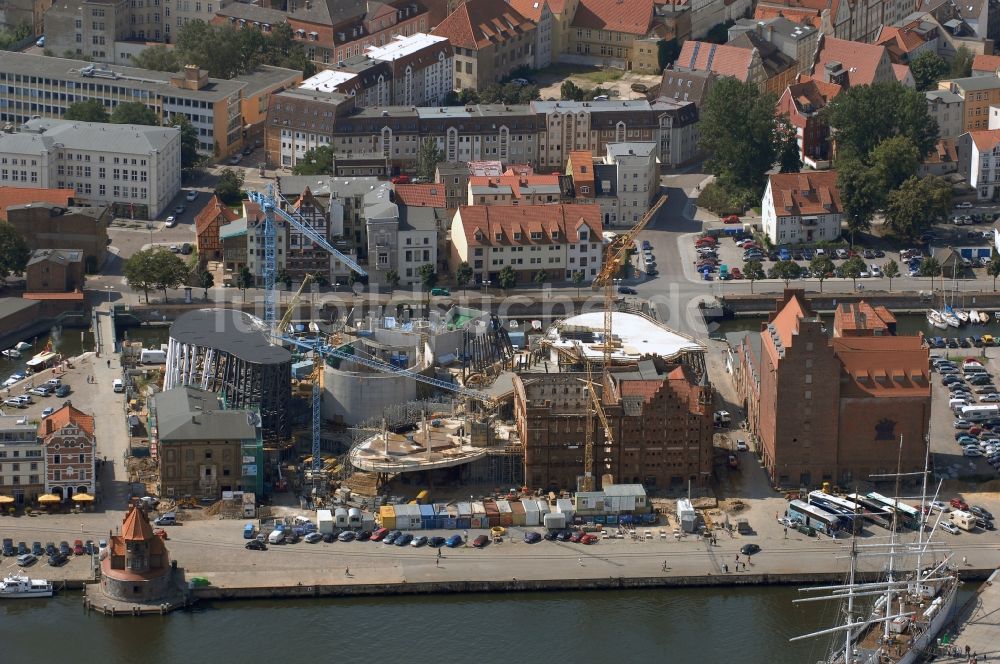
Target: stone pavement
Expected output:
[978,625]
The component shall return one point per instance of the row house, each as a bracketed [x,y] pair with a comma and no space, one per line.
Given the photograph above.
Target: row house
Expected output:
[22,460]
[491,39]
[948,110]
[795,40]
[802,208]
[557,239]
[978,94]
[978,155]
[803,104]
[401,238]
[626,183]
[515,189]
[846,63]
[70,452]
[207,224]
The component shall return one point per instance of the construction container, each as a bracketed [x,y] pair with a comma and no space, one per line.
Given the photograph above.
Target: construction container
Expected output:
[506,513]
[555,520]
[387,516]
[341,518]
[687,516]
[354,517]
[408,517]
[428,521]
[589,502]
[565,506]
[324,519]
[543,508]
[464,521]
[517,507]
[531,514]
[612,519]
[302,369]
[492,514]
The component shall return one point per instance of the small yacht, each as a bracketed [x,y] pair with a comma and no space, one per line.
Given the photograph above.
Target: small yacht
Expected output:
[22,345]
[19,586]
[12,353]
[935,319]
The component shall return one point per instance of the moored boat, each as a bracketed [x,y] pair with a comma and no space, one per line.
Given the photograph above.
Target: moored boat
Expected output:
[42,360]
[19,586]
[934,318]
[12,353]
[22,345]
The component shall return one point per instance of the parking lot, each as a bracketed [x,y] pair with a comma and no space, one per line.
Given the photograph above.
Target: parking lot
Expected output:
[977,455]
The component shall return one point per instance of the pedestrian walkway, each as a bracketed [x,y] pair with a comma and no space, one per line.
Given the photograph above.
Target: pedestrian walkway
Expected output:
[978,626]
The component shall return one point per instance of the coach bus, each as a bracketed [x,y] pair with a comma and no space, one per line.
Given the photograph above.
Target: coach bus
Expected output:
[906,515]
[814,516]
[854,520]
[872,511]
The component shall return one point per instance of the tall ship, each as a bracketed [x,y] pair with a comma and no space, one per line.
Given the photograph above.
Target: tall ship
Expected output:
[895,618]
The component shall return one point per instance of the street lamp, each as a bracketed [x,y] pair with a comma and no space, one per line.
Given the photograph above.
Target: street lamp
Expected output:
[109,293]
[487,284]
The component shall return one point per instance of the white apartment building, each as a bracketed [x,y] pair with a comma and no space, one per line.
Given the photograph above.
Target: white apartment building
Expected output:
[948,109]
[22,459]
[559,239]
[637,177]
[134,168]
[979,161]
[802,208]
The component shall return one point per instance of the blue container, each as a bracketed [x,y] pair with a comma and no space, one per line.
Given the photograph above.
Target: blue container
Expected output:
[463,523]
[612,519]
[451,523]
[598,519]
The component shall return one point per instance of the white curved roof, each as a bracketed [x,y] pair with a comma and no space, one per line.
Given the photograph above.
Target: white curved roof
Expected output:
[638,336]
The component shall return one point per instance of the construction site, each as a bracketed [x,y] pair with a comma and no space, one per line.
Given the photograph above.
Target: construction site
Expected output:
[382,405]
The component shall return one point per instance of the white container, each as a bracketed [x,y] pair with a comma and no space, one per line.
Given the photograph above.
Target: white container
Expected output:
[531,514]
[324,521]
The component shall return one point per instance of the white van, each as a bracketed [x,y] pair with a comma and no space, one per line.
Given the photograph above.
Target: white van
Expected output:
[117,385]
[276,536]
[957,403]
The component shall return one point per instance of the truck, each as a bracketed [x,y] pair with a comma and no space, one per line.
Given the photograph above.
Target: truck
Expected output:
[964,520]
[152,356]
[324,519]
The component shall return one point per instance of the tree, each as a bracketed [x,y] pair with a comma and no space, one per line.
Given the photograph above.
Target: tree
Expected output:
[993,269]
[738,131]
[428,276]
[667,51]
[931,268]
[865,115]
[891,271]
[316,161]
[14,251]
[463,275]
[789,156]
[229,188]
[215,48]
[353,278]
[428,159]
[392,279]
[168,270]
[917,204]
[893,161]
[860,194]
[157,58]
[928,68]
[244,280]
[507,278]
[578,279]
[541,277]
[206,281]
[787,271]
[852,268]
[753,271]
[821,266]
[570,91]
[134,112]
[89,110]
[961,63]
[189,140]
[138,270]
[719,33]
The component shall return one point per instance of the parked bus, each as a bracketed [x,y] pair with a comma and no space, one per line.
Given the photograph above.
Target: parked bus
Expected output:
[905,514]
[814,516]
[872,511]
[854,520]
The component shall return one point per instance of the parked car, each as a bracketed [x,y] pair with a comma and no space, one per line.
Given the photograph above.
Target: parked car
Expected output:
[63,390]
[453,541]
[347,536]
[255,545]
[41,391]
[392,537]
[312,538]
[64,548]
[364,535]
[481,541]
[78,548]
[587,538]
[436,542]
[959,504]
[191,195]
[419,541]
[731,219]
[26,559]
[963,205]
[57,559]
[379,535]
[627,290]
[171,221]
[949,527]
[532,537]
[403,539]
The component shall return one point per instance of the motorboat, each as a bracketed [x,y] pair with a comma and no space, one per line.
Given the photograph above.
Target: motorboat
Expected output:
[961,315]
[22,345]
[950,318]
[19,586]
[974,317]
[935,319]
[12,353]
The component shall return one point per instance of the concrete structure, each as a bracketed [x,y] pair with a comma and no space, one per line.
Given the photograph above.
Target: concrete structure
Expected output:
[51,226]
[204,449]
[54,271]
[948,109]
[795,40]
[491,39]
[137,568]
[409,71]
[16,13]
[979,162]
[211,105]
[70,445]
[803,104]
[229,352]
[802,208]
[834,409]
[130,167]
[555,239]
[22,460]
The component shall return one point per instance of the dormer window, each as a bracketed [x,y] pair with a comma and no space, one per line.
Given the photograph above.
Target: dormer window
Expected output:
[555,235]
[517,236]
[535,235]
[498,236]
[583,235]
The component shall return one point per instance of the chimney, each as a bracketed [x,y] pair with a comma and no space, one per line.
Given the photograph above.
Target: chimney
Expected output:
[191,78]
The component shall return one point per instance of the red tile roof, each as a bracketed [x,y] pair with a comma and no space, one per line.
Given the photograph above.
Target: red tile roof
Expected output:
[630,16]
[514,182]
[797,194]
[212,211]
[722,59]
[135,527]
[10,196]
[987,64]
[804,15]
[65,416]
[885,366]
[861,61]
[75,296]
[421,195]
[852,318]
[646,388]
[477,23]
[902,72]
[582,162]
[944,152]
[529,8]
[904,40]
[786,320]
[807,97]
[985,139]
[481,223]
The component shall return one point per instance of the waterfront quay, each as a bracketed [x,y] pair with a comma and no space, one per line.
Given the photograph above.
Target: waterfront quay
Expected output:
[977,626]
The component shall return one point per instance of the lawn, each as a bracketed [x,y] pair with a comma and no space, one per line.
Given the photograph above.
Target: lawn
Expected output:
[602,76]
[592,74]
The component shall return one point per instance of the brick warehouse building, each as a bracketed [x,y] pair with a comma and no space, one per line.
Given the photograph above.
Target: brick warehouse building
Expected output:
[831,408]
[660,417]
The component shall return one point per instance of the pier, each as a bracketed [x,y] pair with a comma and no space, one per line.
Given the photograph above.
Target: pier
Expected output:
[977,625]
